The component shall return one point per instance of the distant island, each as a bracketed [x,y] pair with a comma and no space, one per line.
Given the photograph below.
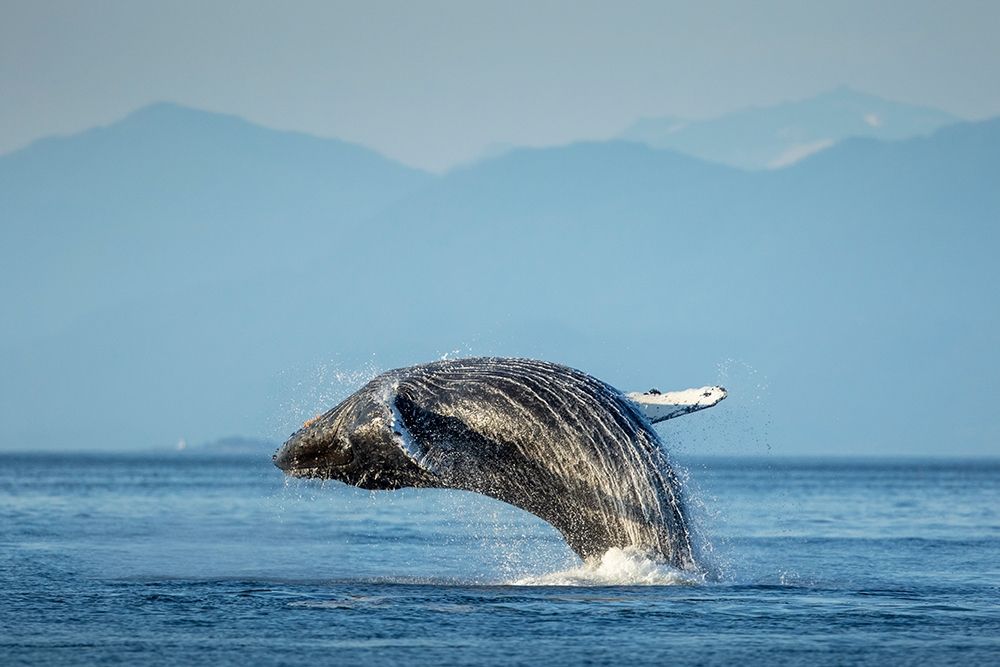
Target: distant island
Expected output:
[234,444]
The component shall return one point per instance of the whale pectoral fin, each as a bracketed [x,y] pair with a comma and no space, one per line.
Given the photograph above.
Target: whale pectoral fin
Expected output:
[440,444]
[659,406]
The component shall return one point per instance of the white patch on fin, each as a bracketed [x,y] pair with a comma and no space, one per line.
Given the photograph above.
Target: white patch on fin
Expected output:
[659,406]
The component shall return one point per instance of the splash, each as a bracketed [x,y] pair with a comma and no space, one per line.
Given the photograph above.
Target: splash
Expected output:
[617,567]
[326,384]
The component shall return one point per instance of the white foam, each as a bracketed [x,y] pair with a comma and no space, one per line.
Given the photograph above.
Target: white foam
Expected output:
[617,567]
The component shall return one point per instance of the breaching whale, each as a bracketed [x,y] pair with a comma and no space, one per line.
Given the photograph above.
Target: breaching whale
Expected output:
[549,439]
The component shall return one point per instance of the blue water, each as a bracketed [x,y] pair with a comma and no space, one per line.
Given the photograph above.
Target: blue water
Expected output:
[182,558]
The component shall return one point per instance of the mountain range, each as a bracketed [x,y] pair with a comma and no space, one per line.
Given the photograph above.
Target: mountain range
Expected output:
[782,134]
[187,274]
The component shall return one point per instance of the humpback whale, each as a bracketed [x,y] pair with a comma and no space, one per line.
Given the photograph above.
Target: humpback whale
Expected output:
[546,438]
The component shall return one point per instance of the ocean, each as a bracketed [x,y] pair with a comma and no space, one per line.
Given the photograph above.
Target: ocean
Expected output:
[197,558]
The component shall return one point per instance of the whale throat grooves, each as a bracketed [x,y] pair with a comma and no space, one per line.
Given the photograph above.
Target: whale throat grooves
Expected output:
[549,439]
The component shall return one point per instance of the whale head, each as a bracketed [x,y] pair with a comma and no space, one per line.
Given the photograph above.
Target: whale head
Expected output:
[355,442]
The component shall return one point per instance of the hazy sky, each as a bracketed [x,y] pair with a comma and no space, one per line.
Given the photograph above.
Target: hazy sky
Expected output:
[434,83]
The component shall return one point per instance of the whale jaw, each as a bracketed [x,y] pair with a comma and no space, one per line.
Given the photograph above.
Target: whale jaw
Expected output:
[313,453]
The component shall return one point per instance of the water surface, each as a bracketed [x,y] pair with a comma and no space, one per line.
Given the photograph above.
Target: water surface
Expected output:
[174,558]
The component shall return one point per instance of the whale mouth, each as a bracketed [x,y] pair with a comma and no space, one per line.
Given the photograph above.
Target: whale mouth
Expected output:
[294,468]
[308,457]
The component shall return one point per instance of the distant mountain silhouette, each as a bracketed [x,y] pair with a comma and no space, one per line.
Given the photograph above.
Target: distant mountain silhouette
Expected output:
[172,197]
[780,135]
[859,281]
